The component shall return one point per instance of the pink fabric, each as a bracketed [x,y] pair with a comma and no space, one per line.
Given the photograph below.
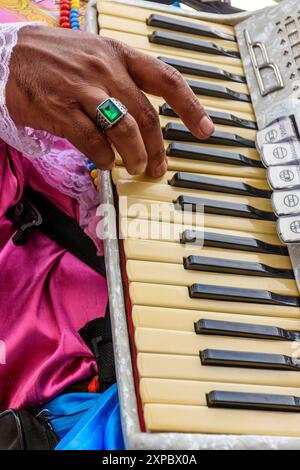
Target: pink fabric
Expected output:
[34,10]
[46,296]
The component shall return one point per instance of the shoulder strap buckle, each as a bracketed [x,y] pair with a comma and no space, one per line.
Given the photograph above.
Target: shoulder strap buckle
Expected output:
[97,336]
[26,217]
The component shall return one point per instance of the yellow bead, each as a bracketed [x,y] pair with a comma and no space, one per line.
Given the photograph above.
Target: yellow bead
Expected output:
[96,182]
[94,174]
[75,4]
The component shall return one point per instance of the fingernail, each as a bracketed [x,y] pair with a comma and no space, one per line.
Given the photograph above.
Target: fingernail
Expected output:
[139,169]
[161,169]
[206,126]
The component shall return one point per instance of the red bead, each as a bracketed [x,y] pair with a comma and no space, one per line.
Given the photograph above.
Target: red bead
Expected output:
[64,2]
[65,24]
[64,17]
[65,9]
[63,21]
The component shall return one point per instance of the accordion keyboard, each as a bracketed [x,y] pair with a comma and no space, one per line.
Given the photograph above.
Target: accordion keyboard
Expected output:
[215,307]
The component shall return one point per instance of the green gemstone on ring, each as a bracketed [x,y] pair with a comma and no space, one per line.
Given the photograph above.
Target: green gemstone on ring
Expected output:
[110,111]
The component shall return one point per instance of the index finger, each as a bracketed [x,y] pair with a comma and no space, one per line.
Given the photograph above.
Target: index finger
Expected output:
[158,78]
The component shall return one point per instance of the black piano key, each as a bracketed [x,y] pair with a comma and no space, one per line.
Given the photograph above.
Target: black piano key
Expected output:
[252,401]
[227,119]
[231,242]
[244,330]
[217,91]
[201,70]
[174,24]
[218,117]
[206,183]
[177,131]
[211,206]
[237,294]
[182,42]
[217,357]
[193,152]
[229,266]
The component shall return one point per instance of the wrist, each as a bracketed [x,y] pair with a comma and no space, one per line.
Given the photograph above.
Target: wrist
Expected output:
[18,93]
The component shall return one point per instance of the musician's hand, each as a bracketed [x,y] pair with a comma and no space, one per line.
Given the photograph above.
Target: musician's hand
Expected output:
[59,77]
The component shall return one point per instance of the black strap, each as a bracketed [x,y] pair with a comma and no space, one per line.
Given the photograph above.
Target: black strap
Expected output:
[97,336]
[209,7]
[36,212]
[212,7]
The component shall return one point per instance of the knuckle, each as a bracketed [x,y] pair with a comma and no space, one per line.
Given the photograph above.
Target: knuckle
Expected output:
[105,164]
[172,77]
[100,154]
[136,167]
[82,130]
[96,64]
[117,48]
[93,142]
[150,119]
[159,155]
[127,126]
[195,106]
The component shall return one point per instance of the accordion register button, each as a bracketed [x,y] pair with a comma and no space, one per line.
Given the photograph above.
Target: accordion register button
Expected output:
[284,177]
[288,228]
[282,153]
[284,128]
[286,202]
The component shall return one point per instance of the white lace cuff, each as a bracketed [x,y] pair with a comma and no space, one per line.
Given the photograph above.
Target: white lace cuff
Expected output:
[30,142]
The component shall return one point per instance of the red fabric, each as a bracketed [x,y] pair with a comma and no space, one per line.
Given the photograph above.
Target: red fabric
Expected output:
[132,341]
[94,385]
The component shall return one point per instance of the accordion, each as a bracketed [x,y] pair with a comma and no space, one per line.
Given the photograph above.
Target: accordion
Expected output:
[203,263]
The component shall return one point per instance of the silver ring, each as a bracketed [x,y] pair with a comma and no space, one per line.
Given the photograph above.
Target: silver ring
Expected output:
[109,113]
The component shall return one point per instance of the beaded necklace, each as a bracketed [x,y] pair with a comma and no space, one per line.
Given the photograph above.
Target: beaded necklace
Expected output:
[69,18]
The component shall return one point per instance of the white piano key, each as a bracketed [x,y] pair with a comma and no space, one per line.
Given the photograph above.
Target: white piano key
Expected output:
[283,128]
[286,202]
[284,177]
[282,153]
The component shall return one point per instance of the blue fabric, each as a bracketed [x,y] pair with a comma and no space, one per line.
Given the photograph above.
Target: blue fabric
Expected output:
[87,421]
